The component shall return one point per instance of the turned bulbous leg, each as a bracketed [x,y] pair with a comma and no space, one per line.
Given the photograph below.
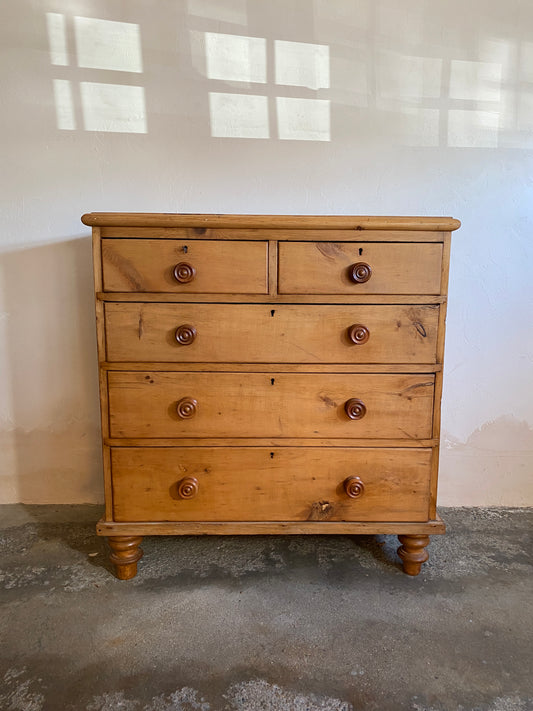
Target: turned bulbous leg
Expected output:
[413,553]
[125,553]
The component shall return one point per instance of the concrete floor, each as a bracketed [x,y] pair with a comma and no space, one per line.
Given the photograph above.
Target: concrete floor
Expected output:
[265,623]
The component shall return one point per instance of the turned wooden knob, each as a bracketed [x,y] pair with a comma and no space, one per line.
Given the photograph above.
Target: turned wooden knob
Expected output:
[185,334]
[360,272]
[358,334]
[355,408]
[186,407]
[184,272]
[188,487]
[354,487]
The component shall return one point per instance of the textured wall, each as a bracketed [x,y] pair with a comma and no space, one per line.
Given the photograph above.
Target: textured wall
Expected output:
[286,106]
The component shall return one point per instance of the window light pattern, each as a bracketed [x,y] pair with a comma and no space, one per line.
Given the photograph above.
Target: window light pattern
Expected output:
[78,43]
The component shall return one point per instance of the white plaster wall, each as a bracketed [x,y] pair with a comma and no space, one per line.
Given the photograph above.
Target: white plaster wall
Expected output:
[404,108]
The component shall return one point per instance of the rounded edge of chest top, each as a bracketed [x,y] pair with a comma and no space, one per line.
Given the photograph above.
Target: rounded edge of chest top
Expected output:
[346,222]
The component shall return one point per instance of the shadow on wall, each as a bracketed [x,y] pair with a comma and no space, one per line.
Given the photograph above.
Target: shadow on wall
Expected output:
[49,334]
[359,74]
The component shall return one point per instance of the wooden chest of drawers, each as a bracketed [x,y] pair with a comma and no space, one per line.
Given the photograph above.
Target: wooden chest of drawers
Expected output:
[270,374]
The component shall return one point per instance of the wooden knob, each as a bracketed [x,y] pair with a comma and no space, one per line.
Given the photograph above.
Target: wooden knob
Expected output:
[188,487]
[185,334]
[186,407]
[360,272]
[355,408]
[358,334]
[354,487]
[184,272]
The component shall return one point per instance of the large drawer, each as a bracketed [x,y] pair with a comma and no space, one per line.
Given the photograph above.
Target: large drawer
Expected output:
[275,484]
[359,268]
[185,266]
[259,333]
[166,404]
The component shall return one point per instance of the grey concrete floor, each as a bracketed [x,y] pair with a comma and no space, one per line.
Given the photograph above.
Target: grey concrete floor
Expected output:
[265,623]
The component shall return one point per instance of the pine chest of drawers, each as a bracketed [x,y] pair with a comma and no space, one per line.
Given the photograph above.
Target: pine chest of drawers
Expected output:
[270,374]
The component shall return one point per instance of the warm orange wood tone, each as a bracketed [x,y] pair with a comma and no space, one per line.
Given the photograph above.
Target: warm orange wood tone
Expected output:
[413,552]
[328,268]
[182,298]
[203,266]
[269,404]
[125,555]
[276,484]
[261,334]
[268,374]
[259,528]
[201,223]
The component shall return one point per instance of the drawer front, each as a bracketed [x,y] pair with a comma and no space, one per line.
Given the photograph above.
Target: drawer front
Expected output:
[221,333]
[182,266]
[359,268]
[166,404]
[276,484]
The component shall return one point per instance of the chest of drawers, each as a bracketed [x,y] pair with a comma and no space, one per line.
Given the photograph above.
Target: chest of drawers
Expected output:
[270,374]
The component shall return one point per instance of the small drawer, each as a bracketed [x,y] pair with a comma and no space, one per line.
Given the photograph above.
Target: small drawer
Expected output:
[166,404]
[274,484]
[359,268]
[270,333]
[185,266]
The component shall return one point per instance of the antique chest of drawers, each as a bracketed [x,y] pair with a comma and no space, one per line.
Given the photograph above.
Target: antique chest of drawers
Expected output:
[270,374]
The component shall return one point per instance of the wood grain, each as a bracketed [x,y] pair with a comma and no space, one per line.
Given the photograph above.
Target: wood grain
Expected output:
[266,442]
[270,484]
[220,267]
[260,528]
[279,367]
[298,222]
[224,397]
[260,334]
[325,268]
[254,233]
[160,297]
[269,404]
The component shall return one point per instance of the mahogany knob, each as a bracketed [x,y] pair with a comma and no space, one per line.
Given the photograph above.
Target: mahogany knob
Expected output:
[358,334]
[185,334]
[188,487]
[360,272]
[354,487]
[355,408]
[184,272]
[186,407]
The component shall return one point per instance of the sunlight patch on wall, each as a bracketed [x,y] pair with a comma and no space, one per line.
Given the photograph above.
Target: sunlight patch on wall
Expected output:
[105,44]
[238,115]
[302,64]
[402,76]
[64,105]
[233,11]
[303,119]
[116,108]
[57,38]
[475,81]
[235,58]
[473,129]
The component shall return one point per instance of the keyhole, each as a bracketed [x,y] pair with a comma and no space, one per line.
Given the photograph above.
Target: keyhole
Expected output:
[272,381]
[273,312]
[360,251]
[185,248]
[271,455]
